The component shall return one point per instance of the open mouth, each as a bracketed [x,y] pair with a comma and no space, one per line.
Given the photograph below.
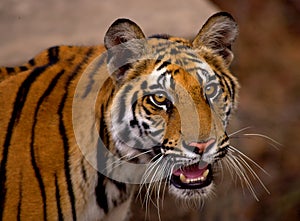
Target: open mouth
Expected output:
[195,176]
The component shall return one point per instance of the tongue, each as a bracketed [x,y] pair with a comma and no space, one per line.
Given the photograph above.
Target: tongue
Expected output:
[192,171]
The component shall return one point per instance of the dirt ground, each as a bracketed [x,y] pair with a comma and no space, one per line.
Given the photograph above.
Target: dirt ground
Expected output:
[267,61]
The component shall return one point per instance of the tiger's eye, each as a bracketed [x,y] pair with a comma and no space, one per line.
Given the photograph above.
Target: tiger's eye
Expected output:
[159,98]
[209,90]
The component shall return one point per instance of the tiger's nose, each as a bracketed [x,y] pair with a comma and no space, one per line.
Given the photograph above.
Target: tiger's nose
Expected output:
[201,147]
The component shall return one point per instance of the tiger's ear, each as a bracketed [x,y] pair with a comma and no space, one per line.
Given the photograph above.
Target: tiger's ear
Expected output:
[121,31]
[123,46]
[218,34]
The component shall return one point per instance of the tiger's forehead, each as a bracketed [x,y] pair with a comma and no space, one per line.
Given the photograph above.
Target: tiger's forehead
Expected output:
[178,61]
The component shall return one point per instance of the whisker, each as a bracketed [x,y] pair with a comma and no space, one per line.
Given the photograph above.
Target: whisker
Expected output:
[119,161]
[162,174]
[245,177]
[239,131]
[272,142]
[220,168]
[146,175]
[150,187]
[149,170]
[235,168]
[227,164]
[248,158]
[253,173]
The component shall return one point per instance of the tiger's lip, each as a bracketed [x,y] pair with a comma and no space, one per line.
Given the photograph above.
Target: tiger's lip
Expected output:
[194,176]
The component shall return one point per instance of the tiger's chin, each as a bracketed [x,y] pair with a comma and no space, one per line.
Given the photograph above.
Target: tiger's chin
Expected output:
[196,195]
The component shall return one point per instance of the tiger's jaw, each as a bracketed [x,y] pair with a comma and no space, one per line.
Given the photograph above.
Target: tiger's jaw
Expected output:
[195,176]
[194,181]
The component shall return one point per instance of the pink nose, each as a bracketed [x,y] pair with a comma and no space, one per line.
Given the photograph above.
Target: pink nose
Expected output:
[203,146]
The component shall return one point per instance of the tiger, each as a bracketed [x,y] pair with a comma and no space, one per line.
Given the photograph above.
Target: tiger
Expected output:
[83,127]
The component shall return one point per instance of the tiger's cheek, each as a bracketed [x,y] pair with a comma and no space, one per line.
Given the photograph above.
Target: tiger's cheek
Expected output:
[153,122]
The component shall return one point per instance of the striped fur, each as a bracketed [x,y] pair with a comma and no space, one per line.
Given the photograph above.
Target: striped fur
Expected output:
[44,174]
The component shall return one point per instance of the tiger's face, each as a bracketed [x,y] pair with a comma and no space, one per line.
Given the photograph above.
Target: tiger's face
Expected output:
[172,104]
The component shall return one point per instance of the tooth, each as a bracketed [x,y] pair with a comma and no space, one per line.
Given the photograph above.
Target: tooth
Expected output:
[205,173]
[183,178]
[202,178]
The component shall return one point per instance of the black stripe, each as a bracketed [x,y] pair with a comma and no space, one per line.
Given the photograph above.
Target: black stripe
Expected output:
[163,65]
[83,170]
[161,48]
[101,196]
[103,143]
[124,135]
[159,59]
[53,54]
[121,186]
[193,56]
[161,78]
[101,193]
[122,106]
[157,132]
[196,69]
[134,103]
[103,127]
[20,198]
[57,195]
[224,139]
[31,62]
[32,154]
[172,82]
[148,112]
[144,85]
[23,68]
[182,47]
[64,137]
[161,36]
[145,125]
[91,76]
[193,60]
[223,78]
[16,112]
[233,85]
[154,87]
[230,90]
[62,130]
[9,70]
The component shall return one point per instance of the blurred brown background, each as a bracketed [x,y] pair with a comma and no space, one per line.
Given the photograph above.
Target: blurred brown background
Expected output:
[267,62]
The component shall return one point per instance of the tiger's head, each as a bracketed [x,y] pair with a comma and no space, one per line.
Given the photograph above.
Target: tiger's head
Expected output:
[172,101]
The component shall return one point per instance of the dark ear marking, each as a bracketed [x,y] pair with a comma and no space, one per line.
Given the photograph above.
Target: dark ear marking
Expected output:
[218,34]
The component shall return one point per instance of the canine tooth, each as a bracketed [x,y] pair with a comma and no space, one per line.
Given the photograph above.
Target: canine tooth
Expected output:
[205,173]
[183,178]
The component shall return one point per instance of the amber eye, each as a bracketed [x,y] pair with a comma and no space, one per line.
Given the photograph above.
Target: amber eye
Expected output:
[211,90]
[159,100]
